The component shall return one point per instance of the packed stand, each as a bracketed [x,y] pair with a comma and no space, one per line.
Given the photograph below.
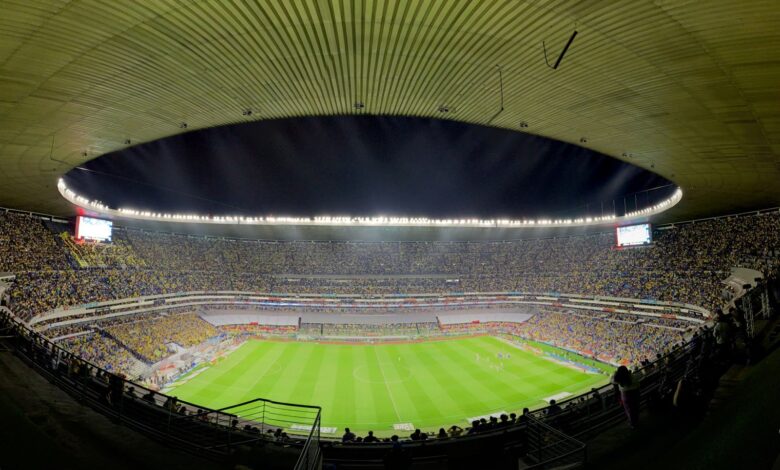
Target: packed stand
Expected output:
[92,254]
[103,351]
[149,339]
[368,330]
[27,245]
[609,340]
[686,263]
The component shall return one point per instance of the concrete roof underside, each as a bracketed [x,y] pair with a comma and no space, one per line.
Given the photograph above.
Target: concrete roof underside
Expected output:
[690,90]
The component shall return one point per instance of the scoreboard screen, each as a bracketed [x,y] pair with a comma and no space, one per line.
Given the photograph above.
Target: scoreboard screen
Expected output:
[634,235]
[93,229]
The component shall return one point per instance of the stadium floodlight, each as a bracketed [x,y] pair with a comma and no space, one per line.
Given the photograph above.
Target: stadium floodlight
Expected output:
[124,212]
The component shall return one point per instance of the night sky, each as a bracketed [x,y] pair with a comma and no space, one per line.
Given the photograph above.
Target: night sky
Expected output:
[363,166]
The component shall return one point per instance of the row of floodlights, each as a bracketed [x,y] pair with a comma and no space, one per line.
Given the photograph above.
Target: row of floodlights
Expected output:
[366,221]
[663,205]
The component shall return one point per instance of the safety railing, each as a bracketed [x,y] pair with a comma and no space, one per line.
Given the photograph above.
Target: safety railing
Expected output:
[205,431]
[547,447]
[547,438]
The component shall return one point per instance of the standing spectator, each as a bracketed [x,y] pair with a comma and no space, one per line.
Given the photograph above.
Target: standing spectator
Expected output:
[627,385]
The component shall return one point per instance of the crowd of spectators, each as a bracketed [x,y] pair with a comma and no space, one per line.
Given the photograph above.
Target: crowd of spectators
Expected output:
[103,351]
[594,335]
[150,338]
[94,254]
[255,329]
[686,263]
[369,330]
[27,245]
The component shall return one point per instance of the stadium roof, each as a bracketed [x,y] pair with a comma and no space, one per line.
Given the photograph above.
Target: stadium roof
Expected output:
[687,89]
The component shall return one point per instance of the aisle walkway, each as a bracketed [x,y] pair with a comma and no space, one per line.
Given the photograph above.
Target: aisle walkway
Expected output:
[44,428]
[739,431]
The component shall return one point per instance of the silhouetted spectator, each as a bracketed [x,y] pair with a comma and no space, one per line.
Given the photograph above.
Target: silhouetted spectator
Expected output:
[628,387]
[553,409]
[474,427]
[348,436]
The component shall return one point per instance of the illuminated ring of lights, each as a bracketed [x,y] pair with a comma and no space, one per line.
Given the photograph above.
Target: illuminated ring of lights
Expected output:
[380,221]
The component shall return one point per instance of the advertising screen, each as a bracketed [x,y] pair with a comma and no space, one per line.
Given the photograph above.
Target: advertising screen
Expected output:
[633,235]
[93,229]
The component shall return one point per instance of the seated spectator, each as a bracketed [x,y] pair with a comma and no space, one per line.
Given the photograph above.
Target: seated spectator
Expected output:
[170,404]
[553,409]
[348,436]
[475,427]
[370,437]
[455,431]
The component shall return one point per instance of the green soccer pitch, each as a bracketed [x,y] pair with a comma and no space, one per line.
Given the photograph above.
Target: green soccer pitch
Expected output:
[374,386]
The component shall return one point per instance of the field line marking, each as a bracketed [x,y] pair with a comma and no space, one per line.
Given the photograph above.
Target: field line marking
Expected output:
[387,387]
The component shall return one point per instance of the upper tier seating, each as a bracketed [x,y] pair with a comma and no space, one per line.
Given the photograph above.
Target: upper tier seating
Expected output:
[686,263]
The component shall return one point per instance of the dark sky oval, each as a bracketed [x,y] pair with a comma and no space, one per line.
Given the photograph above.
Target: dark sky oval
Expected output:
[366,166]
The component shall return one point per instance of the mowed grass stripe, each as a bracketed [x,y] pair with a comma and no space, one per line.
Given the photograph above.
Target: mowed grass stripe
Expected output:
[347,389]
[388,374]
[451,391]
[411,386]
[510,391]
[438,383]
[303,391]
[370,398]
[326,386]
[216,386]
[266,367]
[544,377]
[545,373]
[491,386]
[293,362]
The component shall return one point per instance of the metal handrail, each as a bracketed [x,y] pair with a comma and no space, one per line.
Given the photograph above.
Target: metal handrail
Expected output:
[112,398]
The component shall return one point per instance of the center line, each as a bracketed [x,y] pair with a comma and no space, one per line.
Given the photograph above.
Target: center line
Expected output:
[384,379]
